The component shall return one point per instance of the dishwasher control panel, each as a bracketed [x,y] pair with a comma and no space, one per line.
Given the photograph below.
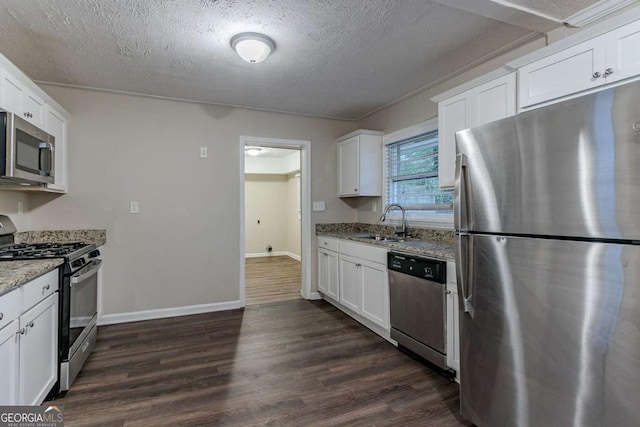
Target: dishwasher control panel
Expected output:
[425,268]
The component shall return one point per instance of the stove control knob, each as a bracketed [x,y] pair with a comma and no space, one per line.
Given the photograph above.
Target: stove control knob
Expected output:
[94,254]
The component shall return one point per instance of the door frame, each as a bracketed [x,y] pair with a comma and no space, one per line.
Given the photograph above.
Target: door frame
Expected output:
[305,206]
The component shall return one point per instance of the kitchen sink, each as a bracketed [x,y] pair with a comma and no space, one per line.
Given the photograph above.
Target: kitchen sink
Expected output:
[378,238]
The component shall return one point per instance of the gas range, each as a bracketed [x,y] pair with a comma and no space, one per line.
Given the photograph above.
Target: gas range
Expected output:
[70,251]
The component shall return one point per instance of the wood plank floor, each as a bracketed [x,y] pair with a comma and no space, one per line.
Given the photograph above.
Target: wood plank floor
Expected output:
[271,279]
[292,363]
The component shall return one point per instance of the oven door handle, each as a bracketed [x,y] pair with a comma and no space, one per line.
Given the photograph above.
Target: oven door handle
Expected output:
[80,277]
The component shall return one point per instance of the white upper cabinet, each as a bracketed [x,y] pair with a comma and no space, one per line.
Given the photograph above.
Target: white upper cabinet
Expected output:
[360,164]
[482,104]
[56,125]
[623,53]
[602,60]
[16,98]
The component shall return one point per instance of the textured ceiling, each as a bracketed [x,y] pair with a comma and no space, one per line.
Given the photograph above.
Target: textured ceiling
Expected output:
[333,58]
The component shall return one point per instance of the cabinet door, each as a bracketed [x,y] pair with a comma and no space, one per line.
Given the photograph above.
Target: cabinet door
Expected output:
[494,100]
[623,55]
[11,94]
[333,279]
[9,337]
[572,70]
[453,115]
[39,351]
[375,293]
[350,283]
[328,273]
[33,109]
[453,322]
[349,167]
[56,125]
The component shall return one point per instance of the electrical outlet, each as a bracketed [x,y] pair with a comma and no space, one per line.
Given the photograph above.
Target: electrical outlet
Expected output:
[318,206]
[374,207]
[203,152]
[134,207]
[20,208]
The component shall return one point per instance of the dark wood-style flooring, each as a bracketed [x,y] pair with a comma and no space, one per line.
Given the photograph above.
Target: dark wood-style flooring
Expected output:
[292,363]
[271,279]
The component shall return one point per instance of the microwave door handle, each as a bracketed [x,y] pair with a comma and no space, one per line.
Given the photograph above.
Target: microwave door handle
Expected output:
[48,147]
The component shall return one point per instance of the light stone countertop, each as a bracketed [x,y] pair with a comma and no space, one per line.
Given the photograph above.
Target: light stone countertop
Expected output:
[432,243]
[15,273]
[99,237]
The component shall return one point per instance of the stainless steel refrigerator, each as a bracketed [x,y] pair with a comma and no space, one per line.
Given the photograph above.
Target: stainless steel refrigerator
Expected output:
[547,218]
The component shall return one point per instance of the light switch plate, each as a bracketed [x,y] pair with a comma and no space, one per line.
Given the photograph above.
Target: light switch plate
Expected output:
[318,207]
[134,207]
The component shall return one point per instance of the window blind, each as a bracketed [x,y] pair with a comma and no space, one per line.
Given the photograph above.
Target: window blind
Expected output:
[412,174]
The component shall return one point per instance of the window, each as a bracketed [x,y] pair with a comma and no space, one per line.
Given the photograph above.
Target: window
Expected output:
[412,174]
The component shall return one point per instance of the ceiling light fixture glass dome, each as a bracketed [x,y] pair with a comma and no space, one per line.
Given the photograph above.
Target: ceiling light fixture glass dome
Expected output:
[252,151]
[253,47]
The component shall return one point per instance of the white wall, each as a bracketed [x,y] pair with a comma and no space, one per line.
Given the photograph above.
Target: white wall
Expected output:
[183,248]
[272,200]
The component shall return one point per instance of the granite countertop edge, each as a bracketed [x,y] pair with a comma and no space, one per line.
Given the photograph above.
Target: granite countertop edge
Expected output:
[442,250]
[96,236]
[14,274]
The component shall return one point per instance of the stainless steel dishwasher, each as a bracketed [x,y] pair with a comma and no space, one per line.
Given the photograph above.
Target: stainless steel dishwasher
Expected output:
[418,309]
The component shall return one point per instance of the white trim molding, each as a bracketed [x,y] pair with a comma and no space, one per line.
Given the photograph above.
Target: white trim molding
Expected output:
[137,316]
[278,253]
[305,205]
[596,11]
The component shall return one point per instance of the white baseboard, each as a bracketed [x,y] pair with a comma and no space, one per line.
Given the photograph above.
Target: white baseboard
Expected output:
[278,253]
[136,316]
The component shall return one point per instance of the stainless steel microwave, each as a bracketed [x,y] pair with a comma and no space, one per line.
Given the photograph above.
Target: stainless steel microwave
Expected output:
[26,152]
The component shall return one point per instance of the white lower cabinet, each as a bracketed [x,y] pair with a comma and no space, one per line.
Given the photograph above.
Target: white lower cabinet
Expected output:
[38,350]
[453,321]
[328,272]
[29,341]
[353,276]
[9,361]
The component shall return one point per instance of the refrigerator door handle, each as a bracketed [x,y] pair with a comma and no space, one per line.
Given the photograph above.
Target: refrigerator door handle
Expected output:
[461,220]
[464,271]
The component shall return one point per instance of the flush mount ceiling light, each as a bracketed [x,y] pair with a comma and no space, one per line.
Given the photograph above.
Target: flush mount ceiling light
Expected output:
[252,151]
[253,47]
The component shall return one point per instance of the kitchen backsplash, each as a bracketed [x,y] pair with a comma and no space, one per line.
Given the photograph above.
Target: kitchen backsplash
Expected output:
[444,236]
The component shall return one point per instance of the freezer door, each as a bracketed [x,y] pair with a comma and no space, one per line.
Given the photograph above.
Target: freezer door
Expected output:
[569,169]
[550,334]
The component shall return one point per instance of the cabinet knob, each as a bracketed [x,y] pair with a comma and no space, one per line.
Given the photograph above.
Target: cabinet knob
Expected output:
[30,324]
[447,292]
[596,74]
[355,189]
[358,265]
[608,71]
[323,254]
[21,331]
[1,316]
[46,287]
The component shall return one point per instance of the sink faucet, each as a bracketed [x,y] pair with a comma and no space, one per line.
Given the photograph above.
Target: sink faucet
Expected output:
[399,230]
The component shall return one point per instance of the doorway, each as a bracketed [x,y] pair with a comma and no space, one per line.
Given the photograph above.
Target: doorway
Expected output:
[275,235]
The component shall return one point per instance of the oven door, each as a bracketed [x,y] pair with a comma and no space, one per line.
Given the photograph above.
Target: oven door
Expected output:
[83,303]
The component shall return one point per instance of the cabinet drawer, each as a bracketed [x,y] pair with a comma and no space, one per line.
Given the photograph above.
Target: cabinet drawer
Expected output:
[38,289]
[362,251]
[328,243]
[9,307]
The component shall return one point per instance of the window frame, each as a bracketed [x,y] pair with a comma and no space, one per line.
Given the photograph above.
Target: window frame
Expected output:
[416,218]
